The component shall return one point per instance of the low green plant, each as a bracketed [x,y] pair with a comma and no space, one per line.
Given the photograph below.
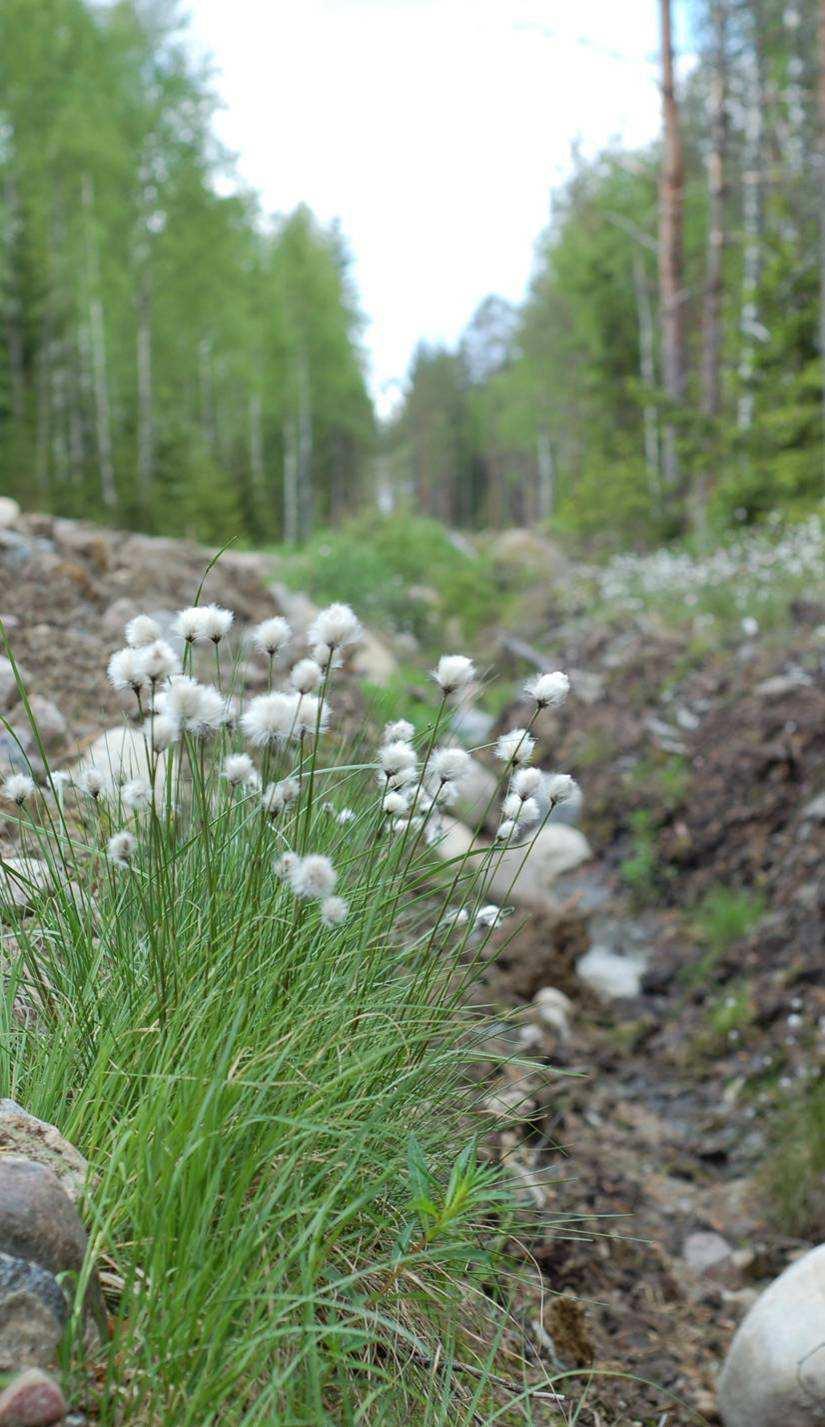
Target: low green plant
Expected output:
[639,870]
[723,917]
[663,779]
[793,1177]
[233,1001]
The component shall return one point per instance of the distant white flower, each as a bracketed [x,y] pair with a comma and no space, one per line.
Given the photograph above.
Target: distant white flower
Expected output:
[285,865]
[137,793]
[489,916]
[199,709]
[335,626]
[311,713]
[750,626]
[19,788]
[516,746]
[396,757]
[91,782]
[126,670]
[512,804]
[455,917]
[548,689]
[270,718]
[560,787]
[453,672]
[237,769]
[505,830]
[162,731]
[60,780]
[326,656]
[217,622]
[449,764]
[276,796]
[306,676]
[528,814]
[313,878]
[190,624]
[142,630]
[401,731]
[159,661]
[345,816]
[526,781]
[445,794]
[394,804]
[121,848]
[334,911]
[272,635]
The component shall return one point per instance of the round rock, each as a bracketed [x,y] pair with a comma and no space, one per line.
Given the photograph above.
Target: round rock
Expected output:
[38,1220]
[33,1314]
[32,1399]
[774,1374]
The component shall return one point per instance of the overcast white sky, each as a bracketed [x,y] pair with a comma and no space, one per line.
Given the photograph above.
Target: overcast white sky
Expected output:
[433,129]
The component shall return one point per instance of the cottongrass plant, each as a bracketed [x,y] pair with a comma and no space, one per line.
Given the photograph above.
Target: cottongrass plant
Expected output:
[238,989]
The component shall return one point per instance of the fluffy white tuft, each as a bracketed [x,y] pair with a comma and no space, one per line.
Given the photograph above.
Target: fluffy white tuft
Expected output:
[335,626]
[137,793]
[275,796]
[270,718]
[272,635]
[396,757]
[121,848]
[19,788]
[314,877]
[334,911]
[217,622]
[548,689]
[311,713]
[395,804]
[126,670]
[559,787]
[489,916]
[90,781]
[306,676]
[453,672]
[162,731]
[190,624]
[402,731]
[199,709]
[526,782]
[142,630]
[238,769]
[516,746]
[159,661]
[449,764]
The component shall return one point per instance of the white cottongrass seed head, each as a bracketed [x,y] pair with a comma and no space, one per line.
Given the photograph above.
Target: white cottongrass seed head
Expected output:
[454,672]
[276,796]
[199,709]
[401,731]
[516,746]
[127,671]
[313,878]
[142,630]
[190,624]
[162,731]
[334,911]
[395,804]
[346,815]
[311,713]
[560,787]
[396,757]
[136,793]
[505,830]
[121,848]
[217,622]
[449,764]
[526,782]
[336,626]
[548,690]
[270,718]
[285,865]
[90,781]
[306,676]
[528,813]
[18,788]
[238,769]
[490,916]
[159,661]
[272,635]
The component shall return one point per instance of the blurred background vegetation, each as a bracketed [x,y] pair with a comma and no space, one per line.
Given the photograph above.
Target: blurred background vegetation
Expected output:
[172,360]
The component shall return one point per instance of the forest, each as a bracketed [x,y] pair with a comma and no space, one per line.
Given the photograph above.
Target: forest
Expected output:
[171,358]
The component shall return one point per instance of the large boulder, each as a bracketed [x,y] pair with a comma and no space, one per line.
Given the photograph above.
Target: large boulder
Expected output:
[774,1374]
[33,1314]
[26,1137]
[38,1220]
[120,754]
[477,801]
[526,874]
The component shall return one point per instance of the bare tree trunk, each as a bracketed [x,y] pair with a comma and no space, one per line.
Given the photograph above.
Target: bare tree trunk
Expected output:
[749,326]
[647,368]
[546,493]
[97,328]
[145,439]
[290,483]
[671,250]
[14,334]
[305,491]
[821,96]
[256,446]
[714,281]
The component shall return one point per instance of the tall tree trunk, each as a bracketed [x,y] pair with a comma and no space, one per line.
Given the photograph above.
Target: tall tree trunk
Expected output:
[257,475]
[671,250]
[821,96]
[714,279]
[97,329]
[13,313]
[752,214]
[291,483]
[145,439]
[647,368]
[546,491]
[306,503]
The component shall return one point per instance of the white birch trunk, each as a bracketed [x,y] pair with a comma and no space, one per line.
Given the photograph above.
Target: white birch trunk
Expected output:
[97,329]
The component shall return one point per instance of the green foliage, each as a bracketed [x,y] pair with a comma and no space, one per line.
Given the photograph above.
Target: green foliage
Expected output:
[727,914]
[270,1104]
[665,779]
[639,870]
[794,1173]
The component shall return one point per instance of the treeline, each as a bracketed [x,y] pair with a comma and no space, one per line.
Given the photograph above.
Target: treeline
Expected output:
[666,370]
[168,359]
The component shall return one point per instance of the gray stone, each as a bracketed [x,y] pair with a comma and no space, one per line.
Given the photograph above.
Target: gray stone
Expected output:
[32,1399]
[704,1250]
[33,1314]
[525,874]
[782,684]
[22,881]
[472,725]
[477,795]
[38,1220]
[9,511]
[814,811]
[774,1374]
[610,975]
[13,756]
[25,1136]
[51,724]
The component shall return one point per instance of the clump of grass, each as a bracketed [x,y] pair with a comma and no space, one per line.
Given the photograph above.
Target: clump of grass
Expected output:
[232,998]
[794,1174]
[639,870]
[723,917]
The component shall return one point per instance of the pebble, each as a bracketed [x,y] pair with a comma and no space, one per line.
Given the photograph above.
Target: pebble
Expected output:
[610,975]
[33,1314]
[50,722]
[554,1009]
[9,693]
[32,1399]
[703,1250]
